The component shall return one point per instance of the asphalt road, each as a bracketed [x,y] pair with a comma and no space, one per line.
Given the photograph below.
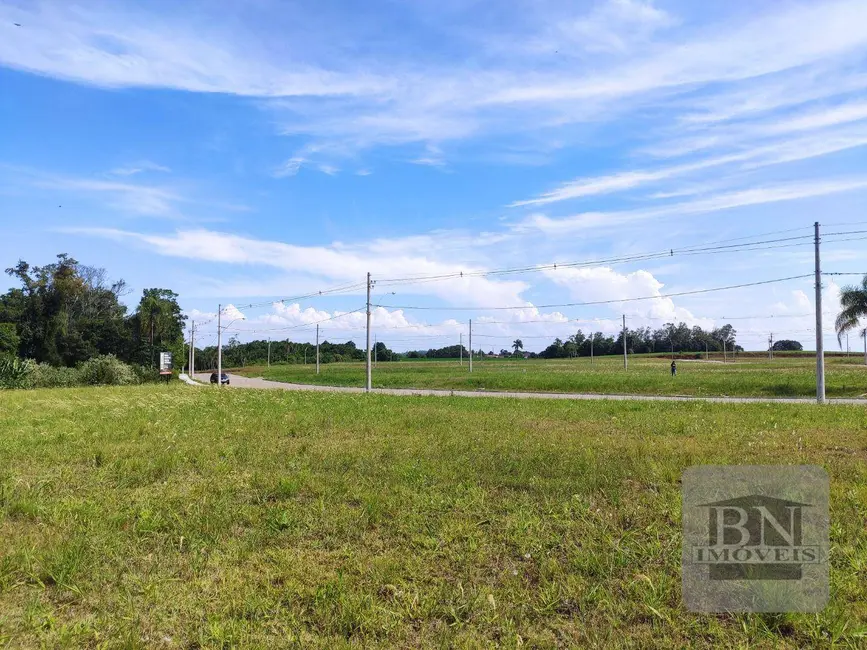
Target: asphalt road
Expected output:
[238,381]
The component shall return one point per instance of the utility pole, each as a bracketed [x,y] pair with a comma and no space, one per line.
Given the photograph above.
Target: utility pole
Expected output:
[462,349]
[471,345]
[317,349]
[724,350]
[625,356]
[847,345]
[219,346]
[367,387]
[820,343]
[269,351]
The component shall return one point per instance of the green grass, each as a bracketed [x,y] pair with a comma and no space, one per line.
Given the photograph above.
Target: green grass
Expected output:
[143,517]
[782,377]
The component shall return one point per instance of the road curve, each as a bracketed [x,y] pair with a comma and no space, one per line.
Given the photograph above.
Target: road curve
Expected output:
[237,381]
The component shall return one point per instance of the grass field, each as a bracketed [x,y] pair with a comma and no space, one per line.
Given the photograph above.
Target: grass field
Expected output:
[144,517]
[782,377]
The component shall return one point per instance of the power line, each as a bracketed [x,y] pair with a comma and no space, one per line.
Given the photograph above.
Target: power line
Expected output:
[603,302]
[671,252]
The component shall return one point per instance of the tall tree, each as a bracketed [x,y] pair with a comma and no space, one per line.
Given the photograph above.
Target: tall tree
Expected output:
[64,312]
[517,345]
[159,325]
[853,300]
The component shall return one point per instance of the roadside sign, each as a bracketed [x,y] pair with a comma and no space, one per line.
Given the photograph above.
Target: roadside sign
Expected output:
[165,363]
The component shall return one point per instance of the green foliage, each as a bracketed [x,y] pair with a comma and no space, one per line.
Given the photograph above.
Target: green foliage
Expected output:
[14,372]
[64,313]
[853,303]
[237,354]
[9,339]
[786,345]
[47,376]
[158,326]
[107,370]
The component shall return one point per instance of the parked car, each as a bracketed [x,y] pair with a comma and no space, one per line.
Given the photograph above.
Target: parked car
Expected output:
[224,378]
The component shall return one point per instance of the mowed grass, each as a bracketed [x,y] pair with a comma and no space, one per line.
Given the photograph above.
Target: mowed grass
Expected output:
[148,517]
[647,375]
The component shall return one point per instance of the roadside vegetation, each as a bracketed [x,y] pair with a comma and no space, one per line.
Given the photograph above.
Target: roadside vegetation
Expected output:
[785,376]
[150,516]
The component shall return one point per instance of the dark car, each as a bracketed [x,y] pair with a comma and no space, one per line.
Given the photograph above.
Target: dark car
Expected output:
[224,378]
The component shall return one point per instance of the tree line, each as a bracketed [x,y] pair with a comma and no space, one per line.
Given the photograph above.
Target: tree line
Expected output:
[66,313]
[237,354]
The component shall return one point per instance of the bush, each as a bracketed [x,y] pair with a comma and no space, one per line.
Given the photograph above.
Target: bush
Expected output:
[14,372]
[45,375]
[145,374]
[107,370]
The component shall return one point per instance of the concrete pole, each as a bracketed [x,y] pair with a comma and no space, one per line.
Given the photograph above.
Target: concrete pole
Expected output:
[820,342]
[625,356]
[317,349]
[471,345]
[219,346]
[368,384]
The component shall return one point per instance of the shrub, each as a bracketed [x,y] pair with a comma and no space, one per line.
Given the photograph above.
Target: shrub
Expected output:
[107,370]
[14,372]
[145,374]
[45,375]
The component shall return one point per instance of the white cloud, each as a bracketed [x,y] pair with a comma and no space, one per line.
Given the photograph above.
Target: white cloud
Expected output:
[138,168]
[393,92]
[604,283]
[724,201]
[784,151]
[333,264]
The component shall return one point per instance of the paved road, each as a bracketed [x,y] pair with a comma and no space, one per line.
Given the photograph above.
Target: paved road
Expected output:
[237,381]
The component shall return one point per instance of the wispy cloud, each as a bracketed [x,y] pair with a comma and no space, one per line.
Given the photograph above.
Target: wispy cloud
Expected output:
[330,264]
[138,168]
[124,196]
[792,191]
[402,96]
[782,151]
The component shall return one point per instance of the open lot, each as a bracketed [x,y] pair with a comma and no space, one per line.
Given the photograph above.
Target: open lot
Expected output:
[190,517]
[783,377]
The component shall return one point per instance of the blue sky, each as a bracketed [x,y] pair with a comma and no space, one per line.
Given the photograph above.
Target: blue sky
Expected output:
[243,152]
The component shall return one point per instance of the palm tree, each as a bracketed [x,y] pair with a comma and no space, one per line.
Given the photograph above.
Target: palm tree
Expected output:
[853,300]
[518,344]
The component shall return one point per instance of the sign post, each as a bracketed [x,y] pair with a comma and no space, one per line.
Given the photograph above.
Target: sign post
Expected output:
[165,365]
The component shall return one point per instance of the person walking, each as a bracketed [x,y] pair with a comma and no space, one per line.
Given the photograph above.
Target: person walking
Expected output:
[673,368]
